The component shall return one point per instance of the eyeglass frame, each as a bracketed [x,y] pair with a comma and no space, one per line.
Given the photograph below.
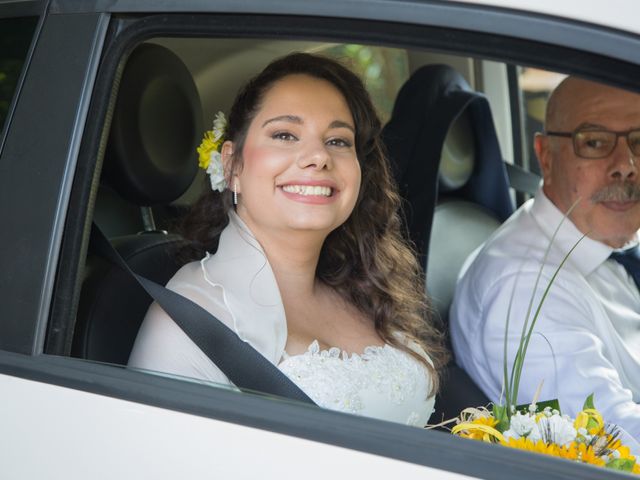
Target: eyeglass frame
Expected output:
[572,136]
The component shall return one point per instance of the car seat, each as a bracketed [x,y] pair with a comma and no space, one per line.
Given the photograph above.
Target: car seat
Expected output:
[446,159]
[150,161]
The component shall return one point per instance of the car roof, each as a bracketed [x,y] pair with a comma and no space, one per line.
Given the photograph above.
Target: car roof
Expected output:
[618,14]
[610,33]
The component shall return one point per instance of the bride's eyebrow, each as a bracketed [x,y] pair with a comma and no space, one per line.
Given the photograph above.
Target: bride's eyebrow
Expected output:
[341,124]
[284,118]
[298,121]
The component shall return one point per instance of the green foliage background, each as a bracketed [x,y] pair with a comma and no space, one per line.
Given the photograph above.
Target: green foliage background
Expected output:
[382,69]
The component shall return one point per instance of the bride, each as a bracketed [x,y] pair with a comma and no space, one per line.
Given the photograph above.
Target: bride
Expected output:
[309,265]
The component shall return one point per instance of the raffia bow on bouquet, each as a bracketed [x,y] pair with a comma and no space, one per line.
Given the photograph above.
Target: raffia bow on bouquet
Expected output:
[540,427]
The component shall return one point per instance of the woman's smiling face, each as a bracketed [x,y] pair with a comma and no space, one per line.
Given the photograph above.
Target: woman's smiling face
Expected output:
[299,168]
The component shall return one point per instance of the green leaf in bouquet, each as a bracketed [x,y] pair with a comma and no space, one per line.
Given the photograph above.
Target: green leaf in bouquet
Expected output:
[622,464]
[553,404]
[588,403]
[500,414]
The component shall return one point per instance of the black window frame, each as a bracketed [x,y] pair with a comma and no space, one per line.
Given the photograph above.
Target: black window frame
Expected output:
[126,32]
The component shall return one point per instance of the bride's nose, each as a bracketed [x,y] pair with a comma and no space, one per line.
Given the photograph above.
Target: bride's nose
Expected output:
[316,156]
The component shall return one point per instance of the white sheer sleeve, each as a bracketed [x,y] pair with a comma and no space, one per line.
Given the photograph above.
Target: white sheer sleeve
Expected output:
[162,346]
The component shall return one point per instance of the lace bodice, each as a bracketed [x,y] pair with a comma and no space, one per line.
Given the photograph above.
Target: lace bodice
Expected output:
[383,382]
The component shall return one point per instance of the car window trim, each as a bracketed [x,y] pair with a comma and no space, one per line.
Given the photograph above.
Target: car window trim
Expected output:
[521,24]
[388,439]
[23,8]
[34,194]
[517,129]
[126,31]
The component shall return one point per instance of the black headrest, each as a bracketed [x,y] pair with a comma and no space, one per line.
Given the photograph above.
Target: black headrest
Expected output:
[156,126]
[426,107]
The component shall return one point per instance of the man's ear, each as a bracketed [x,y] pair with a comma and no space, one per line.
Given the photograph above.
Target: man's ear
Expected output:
[544,154]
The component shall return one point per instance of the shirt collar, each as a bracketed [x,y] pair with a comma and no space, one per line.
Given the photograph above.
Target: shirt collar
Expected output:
[588,255]
[249,290]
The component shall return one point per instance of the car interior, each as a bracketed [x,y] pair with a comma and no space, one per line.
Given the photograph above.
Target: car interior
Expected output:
[448,132]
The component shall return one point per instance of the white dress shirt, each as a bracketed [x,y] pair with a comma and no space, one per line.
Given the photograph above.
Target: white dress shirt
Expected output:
[587,336]
[237,285]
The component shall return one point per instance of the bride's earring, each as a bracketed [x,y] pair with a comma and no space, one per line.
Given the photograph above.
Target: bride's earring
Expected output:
[235,193]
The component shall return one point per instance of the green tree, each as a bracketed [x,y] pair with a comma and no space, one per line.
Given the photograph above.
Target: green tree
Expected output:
[382,69]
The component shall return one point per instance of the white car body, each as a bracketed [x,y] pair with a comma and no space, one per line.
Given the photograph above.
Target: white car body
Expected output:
[62,419]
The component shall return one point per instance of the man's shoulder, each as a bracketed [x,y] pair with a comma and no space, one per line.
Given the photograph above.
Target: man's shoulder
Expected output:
[519,247]
[518,239]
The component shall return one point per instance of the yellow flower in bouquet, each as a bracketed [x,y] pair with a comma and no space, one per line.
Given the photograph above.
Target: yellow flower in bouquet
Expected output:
[478,424]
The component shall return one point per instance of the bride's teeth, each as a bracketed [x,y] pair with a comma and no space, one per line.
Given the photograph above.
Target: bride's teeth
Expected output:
[308,190]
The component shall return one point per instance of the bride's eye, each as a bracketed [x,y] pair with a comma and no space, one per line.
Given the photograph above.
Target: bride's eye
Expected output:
[284,136]
[339,142]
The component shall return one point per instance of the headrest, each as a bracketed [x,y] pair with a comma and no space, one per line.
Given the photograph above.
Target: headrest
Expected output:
[436,102]
[458,155]
[156,126]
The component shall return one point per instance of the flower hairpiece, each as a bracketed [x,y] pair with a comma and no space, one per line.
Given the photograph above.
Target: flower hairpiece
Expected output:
[209,157]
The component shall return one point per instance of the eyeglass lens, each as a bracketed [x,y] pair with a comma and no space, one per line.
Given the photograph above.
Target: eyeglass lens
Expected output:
[600,143]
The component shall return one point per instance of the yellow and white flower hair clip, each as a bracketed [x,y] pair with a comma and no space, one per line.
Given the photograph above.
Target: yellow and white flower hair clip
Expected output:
[209,157]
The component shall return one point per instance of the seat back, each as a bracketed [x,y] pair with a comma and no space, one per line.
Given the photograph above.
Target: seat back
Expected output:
[434,105]
[459,227]
[447,162]
[112,305]
[150,160]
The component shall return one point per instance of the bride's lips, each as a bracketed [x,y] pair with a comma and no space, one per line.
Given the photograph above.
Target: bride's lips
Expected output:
[317,192]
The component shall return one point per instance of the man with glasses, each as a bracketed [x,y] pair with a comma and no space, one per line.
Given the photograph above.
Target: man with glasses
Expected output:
[586,338]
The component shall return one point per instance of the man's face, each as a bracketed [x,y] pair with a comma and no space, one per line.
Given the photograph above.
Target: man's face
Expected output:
[609,206]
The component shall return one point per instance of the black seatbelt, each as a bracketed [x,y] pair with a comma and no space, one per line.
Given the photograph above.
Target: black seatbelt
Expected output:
[522,180]
[238,360]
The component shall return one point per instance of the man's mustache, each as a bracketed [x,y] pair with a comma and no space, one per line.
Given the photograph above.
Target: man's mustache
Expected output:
[620,192]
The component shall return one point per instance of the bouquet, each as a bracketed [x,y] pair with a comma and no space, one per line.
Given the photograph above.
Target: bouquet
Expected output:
[585,439]
[540,427]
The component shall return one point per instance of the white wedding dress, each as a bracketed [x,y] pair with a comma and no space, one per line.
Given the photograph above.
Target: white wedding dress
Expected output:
[237,285]
[383,382]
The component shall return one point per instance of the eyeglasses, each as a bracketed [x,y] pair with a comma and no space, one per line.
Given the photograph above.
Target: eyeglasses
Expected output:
[599,143]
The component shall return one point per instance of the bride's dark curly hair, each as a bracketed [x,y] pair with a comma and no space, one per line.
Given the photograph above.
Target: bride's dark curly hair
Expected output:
[365,260]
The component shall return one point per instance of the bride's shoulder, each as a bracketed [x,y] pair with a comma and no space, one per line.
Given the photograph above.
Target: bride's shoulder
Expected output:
[191,276]
[188,273]
[412,345]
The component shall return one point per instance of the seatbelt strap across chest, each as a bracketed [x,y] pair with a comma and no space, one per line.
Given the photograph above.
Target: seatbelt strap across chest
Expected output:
[245,367]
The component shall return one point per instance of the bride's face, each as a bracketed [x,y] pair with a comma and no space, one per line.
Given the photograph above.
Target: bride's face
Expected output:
[300,170]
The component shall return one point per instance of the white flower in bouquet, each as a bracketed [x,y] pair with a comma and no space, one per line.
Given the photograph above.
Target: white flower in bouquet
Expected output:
[522,424]
[556,429]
